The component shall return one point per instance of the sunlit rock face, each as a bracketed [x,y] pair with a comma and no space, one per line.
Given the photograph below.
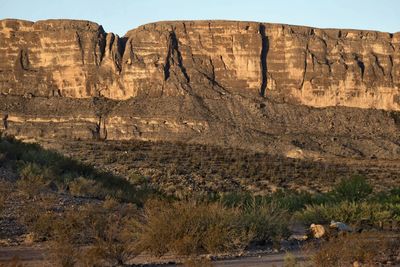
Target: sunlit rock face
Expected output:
[288,90]
[316,67]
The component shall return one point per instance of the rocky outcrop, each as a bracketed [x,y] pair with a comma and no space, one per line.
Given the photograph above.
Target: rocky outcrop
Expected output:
[57,58]
[289,90]
[316,67]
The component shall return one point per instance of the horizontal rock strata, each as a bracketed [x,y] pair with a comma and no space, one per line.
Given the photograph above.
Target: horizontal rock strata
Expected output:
[282,89]
[316,67]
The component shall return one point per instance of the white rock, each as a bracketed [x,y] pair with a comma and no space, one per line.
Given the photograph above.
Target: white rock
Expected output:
[342,227]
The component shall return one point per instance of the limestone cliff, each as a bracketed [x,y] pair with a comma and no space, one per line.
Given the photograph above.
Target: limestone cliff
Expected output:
[282,89]
[316,67]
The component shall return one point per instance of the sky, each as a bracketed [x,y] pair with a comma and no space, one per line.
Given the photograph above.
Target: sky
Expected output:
[119,16]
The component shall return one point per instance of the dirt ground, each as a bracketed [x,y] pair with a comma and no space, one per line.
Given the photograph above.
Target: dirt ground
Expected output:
[36,256]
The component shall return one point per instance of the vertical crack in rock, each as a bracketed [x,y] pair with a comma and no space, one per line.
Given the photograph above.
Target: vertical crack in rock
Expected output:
[24,59]
[212,72]
[122,45]
[378,64]
[391,69]
[263,59]
[5,121]
[173,51]
[167,65]
[361,65]
[212,78]
[80,45]
[306,51]
[101,44]
[223,62]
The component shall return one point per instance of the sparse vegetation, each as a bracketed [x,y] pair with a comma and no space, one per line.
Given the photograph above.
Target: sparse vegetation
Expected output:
[187,228]
[114,232]
[183,170]
[5,188]
[354,189]
[367,249]
[117,218]
[354,213]
[39,168]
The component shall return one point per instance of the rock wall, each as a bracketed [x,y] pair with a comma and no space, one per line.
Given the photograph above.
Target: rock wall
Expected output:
[316,67]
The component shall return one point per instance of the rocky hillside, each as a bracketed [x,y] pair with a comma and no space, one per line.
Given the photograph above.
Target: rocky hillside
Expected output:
[297,91]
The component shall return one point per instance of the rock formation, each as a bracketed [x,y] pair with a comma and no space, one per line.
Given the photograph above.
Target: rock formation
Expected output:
[316,67]
[252,85]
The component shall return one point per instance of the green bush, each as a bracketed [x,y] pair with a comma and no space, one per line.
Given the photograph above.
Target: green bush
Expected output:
[266,220]
[391,197]
[354,213]
[355,188]
[32,180]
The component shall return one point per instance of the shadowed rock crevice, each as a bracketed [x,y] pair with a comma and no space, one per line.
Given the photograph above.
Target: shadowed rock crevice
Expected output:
[306,52]
[174,54]
[361,65]
[79,42]
[24,59]
[122,45]
[263,59]
[101,44]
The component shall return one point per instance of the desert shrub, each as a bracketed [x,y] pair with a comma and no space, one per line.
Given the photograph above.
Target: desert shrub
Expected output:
[64,253]
[391,197]
[355,188]
[137,179]
[38,167]
[83,187]
[366,248]
[349,212]
[289,260]
[39,217]
[2,203]
[266,220]
[114,232]
[236,199]
[291,200]
[187,228]
[109,229]
[32,181]
[5,190]
[68,233]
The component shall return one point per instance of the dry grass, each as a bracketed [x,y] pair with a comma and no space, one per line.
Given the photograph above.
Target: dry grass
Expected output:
[114,232]
[367,249]
[174,167]
[186,228]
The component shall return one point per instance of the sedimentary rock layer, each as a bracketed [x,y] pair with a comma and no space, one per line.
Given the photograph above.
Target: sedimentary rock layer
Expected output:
[287,90]
[207,59]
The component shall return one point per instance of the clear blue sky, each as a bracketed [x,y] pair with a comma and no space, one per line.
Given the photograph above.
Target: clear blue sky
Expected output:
[119,16]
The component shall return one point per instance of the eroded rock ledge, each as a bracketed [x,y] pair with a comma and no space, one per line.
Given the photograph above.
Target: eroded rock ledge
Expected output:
[316,67]
[287,90]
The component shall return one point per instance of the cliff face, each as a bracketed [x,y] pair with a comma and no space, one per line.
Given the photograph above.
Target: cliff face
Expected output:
[243,84]
[315,67]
